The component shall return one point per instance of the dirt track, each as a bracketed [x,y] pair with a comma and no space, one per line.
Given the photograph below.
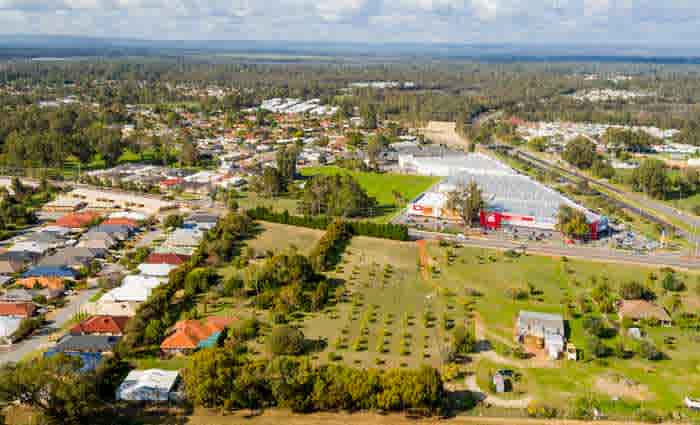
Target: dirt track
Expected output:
[444,132]
[277,417]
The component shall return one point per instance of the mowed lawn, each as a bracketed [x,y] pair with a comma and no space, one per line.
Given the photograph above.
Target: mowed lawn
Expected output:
[659,385]
[382,186]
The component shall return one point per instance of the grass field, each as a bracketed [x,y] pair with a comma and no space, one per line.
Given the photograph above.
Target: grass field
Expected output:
[658,385]
[278,237]
[394,313]
[382,186]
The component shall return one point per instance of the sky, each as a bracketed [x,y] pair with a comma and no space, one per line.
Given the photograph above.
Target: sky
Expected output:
[590,22]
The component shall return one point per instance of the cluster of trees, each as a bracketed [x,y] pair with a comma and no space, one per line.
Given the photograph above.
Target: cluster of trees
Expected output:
[651,178]
[337,196]
[277,180]
[581,153]
[35,137]
[622,139]
[572,222]
[54,387]
[226,378]
[18,205]
[397,232]
[287,283]
[330,247]
[466,201]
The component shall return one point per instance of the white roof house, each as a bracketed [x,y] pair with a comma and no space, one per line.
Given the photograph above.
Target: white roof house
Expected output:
[148,385]
[8,326]
[141,280]
[127,293]
[156,270]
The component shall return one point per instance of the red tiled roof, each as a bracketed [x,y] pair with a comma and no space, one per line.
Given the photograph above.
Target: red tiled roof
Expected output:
[172,182]
[110,325]
[75,220]
[17,309]
[188,333]
[121,221]
[166,258]
[55,283]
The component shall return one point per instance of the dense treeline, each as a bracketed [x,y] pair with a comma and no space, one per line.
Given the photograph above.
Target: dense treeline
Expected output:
[336,195]
[330,247]
[396,232]
[228,378]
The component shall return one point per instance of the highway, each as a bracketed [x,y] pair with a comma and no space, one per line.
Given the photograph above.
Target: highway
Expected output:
[572,251]
[650,205]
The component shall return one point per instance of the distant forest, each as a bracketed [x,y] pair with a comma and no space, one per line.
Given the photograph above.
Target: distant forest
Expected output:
[445,90]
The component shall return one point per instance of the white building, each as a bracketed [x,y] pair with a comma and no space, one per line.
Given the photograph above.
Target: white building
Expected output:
[148,385]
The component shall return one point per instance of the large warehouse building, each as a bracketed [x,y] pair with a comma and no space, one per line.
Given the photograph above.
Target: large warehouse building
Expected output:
[511,199]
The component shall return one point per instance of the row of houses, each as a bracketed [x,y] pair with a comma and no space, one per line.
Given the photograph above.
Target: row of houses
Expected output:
[43,262]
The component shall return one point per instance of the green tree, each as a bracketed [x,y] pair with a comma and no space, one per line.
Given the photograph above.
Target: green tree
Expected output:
[572,222]
[651,178]
[466,201]
[580,152]
[54,386]
[286,341]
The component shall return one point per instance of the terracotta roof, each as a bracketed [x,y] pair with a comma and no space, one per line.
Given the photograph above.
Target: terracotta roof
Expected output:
[188,333]
[640,309]
[110,325]
[17,309]
[75,220]
[168,258]
[121,221]
[55,283]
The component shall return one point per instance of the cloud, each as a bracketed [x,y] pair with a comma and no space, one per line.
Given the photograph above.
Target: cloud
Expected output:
[459,21]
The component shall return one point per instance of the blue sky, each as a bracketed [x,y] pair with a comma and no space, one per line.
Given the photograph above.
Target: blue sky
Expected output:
[642,22]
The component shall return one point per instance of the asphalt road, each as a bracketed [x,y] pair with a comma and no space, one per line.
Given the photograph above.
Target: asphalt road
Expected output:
[41,338]
[572,251]
[647,203]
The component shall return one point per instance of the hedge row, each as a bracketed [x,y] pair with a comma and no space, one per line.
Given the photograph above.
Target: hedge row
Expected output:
[397,232]
[330,247]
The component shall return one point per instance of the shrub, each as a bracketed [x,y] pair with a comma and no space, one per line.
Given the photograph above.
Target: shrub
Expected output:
[649,351]
[286,340]
[517,294]
[671,283]
[636,291]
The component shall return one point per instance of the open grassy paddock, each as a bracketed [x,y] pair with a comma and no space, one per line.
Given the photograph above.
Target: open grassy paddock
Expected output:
[401,299]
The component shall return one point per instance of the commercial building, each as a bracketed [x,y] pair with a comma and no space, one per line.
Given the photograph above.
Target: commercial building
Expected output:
[511,199]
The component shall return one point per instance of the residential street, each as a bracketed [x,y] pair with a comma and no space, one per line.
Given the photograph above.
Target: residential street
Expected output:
[41,338]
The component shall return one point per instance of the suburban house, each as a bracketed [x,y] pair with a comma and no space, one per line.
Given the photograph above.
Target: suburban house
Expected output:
[54,286]
[184,237]
[74,257]
[16,296]
[541,330]
[8,326]
[21,310]
[121,221]
[156,270]
[134,289]
[10,265]
[149,385]
[168,258]
[637,310]
[101,325]
[63,272]
[189,335]
[24,257]
[201,221]
[100,240]
[77,221]
[90,348]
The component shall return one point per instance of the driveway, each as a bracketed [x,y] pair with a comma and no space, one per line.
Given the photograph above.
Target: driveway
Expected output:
[41,338]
